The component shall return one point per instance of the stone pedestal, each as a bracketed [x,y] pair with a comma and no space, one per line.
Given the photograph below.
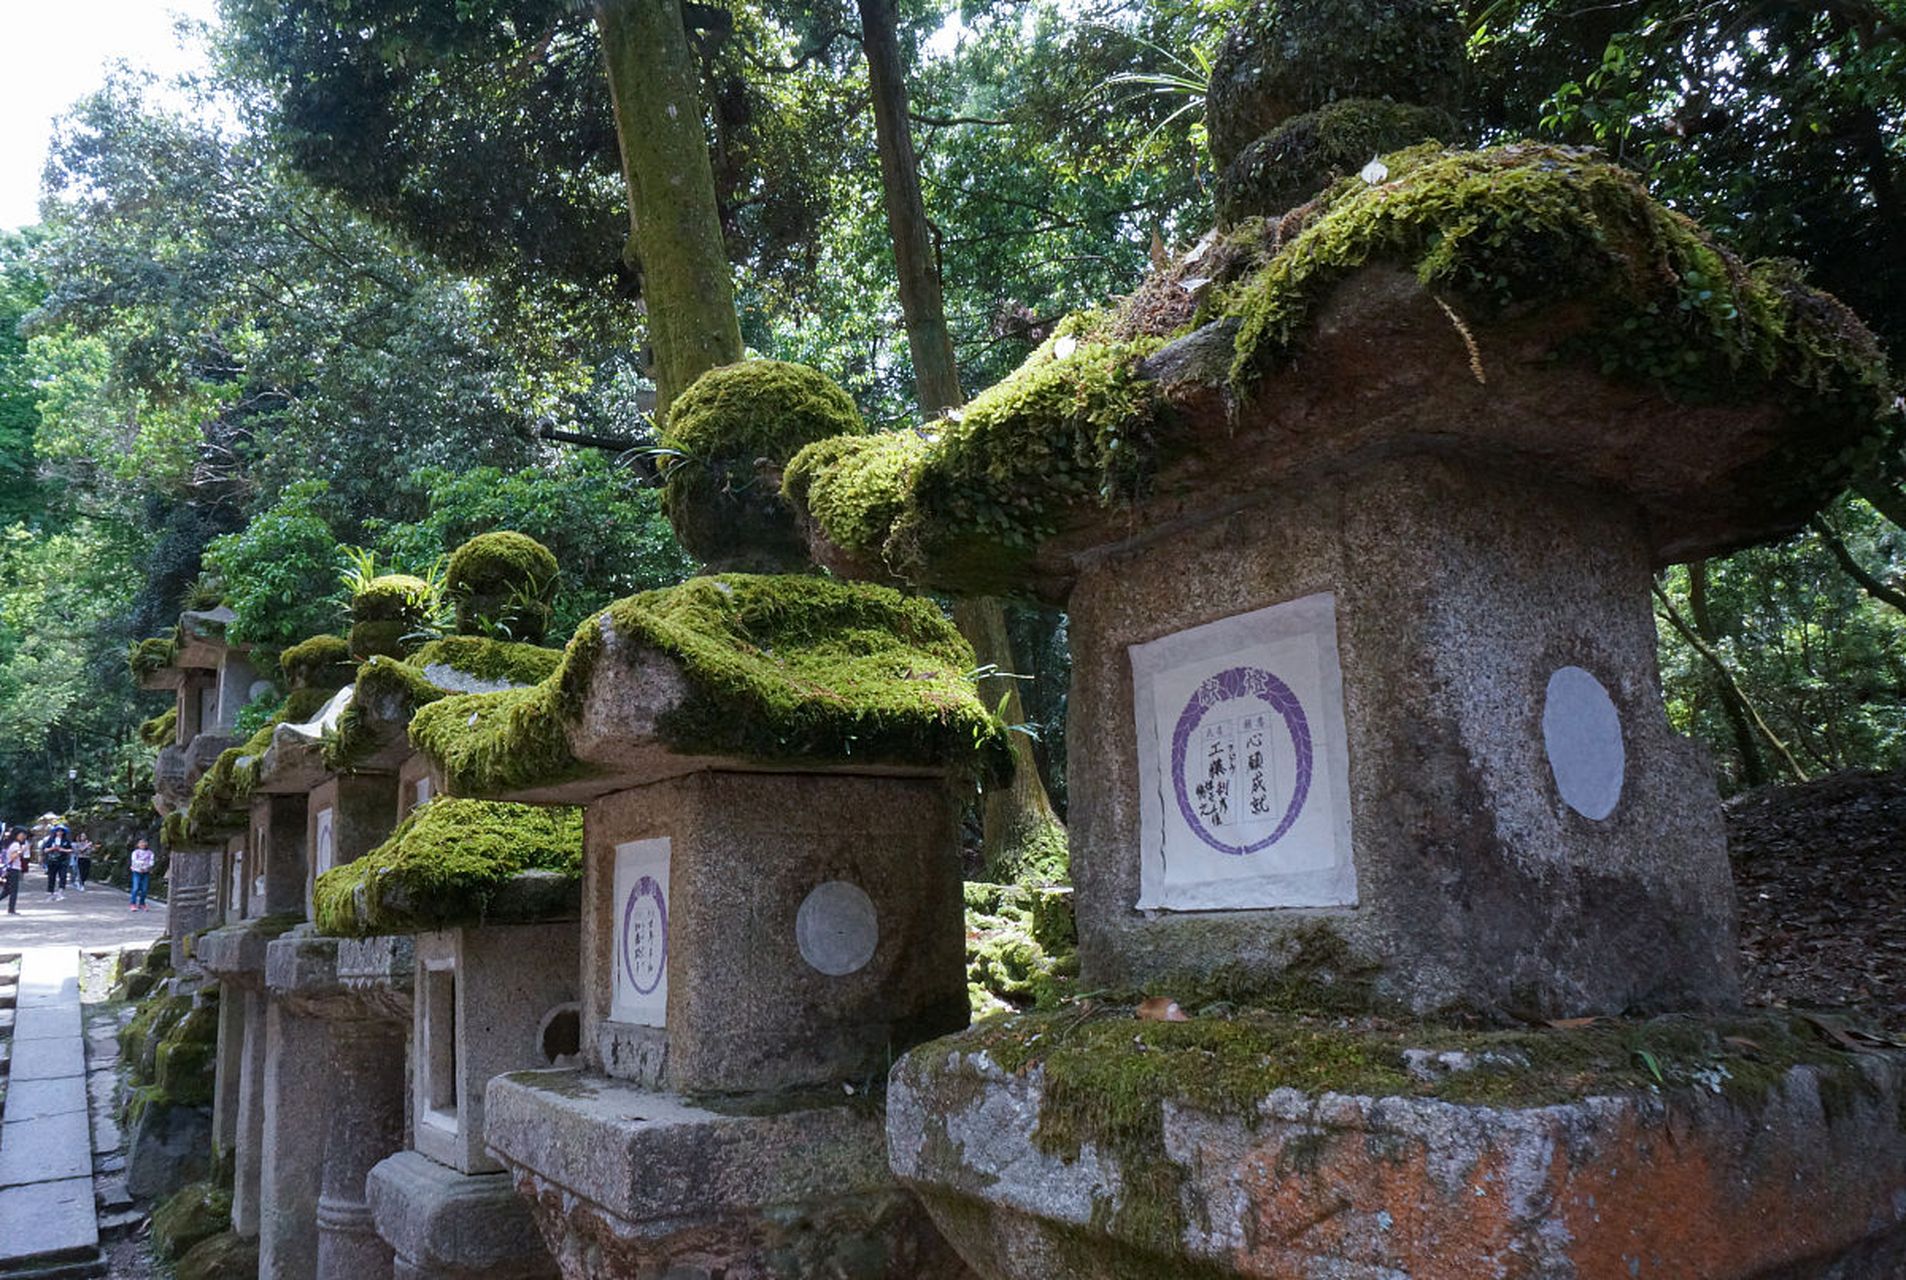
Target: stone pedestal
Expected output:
[235,957]
[1480,791]
[366,1124]
[626,1182]
[1799,1172]
[334,1101]
[446,1225]
[191,897]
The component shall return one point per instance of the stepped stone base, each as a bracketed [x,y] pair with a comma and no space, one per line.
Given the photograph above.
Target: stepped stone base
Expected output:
[624,1181]
[446,1225]
[1805,1178]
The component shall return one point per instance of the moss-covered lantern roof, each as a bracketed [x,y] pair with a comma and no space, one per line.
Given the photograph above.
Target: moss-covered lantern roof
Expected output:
[734,671]
[454,863]
[1531,306]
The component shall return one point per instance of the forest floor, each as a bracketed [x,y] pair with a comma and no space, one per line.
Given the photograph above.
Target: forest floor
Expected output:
[1821,873]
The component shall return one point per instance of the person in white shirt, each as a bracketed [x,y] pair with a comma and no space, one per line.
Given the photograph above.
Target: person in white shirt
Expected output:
[142,859]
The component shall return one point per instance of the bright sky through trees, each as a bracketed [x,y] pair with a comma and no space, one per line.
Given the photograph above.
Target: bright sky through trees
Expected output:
[54,54]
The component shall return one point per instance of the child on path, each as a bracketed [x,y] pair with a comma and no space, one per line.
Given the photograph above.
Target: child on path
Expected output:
[13,860]
[142,860]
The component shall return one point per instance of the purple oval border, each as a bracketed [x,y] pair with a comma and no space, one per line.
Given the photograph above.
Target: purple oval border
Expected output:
[1241,682]
[645,884]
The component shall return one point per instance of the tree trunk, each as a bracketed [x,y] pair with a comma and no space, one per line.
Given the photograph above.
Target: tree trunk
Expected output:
[674,221]
[1753,772]
[1023,836]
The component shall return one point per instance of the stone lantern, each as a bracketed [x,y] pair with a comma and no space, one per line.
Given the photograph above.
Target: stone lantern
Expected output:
[1354,509]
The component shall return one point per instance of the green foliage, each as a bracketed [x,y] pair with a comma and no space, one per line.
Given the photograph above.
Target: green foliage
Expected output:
[152,654]
[729,421]
[280,573]
[779,669]
[444,866]
[503,582]
[21,290]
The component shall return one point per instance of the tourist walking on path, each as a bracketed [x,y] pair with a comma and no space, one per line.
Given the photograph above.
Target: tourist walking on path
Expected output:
[57,849]
[82,861]
[13,860]
[142,860]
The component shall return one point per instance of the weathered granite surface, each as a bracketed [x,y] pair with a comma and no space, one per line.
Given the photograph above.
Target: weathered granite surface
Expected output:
[629,1182]
[1808,1181]
[1459,591]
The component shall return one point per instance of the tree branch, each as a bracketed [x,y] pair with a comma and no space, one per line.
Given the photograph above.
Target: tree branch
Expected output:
[1880,591]
[1714,660]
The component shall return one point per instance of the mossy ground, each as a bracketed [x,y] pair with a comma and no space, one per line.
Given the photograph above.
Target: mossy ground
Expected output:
[1021,947]
[795,670]
[444,864]
[1504,233]
[195,1212]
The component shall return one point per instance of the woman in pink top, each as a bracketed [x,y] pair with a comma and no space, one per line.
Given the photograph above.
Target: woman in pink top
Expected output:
[142,859]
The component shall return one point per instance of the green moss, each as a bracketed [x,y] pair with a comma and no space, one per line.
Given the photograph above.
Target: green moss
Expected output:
[504,582]
[379,639]
[490,660]
[1516,235]
[730,419]
[794,670]
[172,829]
[163,729]
[317,663]
[1035,852]
[139,1039]
[1522,224]
[1021,948]
[974,493]
[195,1212]
[386,696]
[444,864]
[1304,154]
[1292,56]
[226,1256]
[495,744]
[393,597]
[1107,1076]
[148,656]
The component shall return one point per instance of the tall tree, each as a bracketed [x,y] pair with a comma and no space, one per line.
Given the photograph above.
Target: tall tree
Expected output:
[1022,835]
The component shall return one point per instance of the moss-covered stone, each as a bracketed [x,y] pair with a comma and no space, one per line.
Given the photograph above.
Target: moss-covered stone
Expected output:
[221,796]
[1507,233]
[1282,58]
[503,584]
[788,670]
[148,656]
[1306,153]
[320,662]
[444,864]
[732,419]
[162,730]
[226,1256]
[491,661]
[1108,1077]
[973,494]
[387,611]
[195,1212]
